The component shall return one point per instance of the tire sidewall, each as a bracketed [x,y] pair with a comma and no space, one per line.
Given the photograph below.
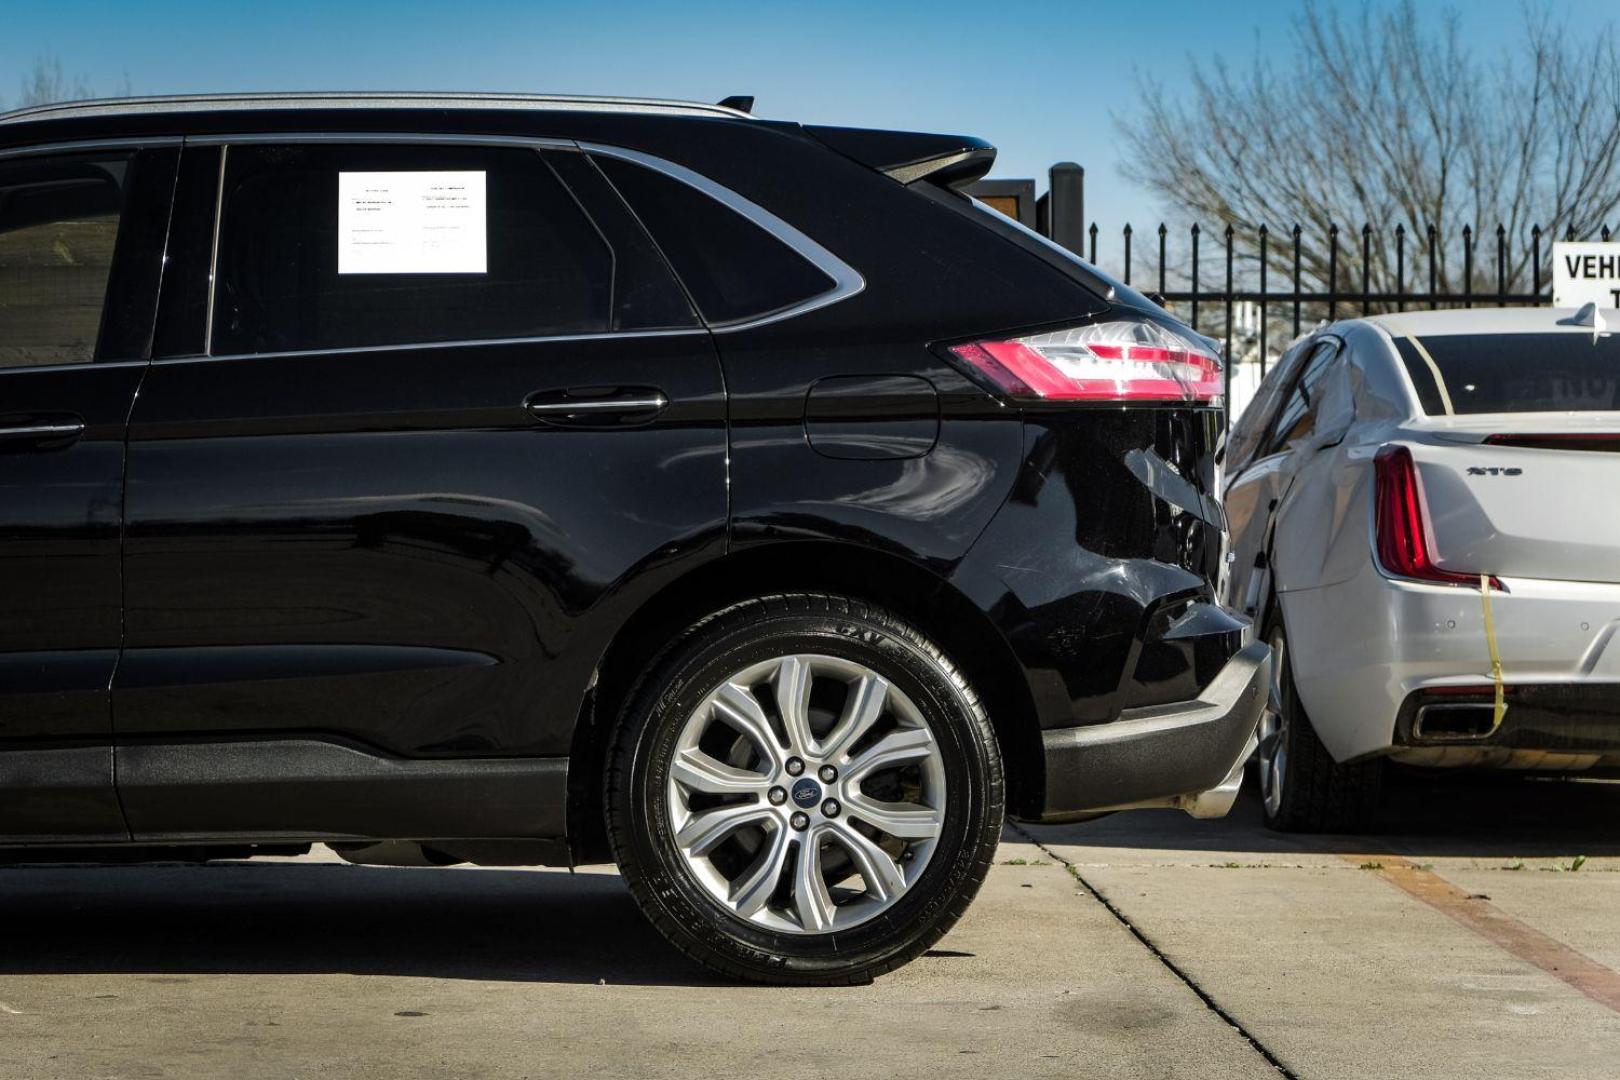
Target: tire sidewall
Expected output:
[675,692]
[1288,708]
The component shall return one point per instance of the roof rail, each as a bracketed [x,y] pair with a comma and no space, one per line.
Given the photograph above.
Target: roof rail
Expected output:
[188,103]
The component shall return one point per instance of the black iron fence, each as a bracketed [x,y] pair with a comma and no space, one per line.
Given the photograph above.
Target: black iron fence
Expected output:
[1385,275]
[1258,289]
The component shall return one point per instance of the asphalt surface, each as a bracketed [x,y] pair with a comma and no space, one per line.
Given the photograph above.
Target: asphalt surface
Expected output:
[1461,941]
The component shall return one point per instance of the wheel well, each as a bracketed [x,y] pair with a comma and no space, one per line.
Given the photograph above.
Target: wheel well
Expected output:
[927,601]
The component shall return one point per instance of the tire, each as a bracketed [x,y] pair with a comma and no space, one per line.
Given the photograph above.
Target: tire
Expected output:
[919,755]
[1302,789]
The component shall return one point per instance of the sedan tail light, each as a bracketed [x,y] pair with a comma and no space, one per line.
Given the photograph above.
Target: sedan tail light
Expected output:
[1119,360]
[1402,523]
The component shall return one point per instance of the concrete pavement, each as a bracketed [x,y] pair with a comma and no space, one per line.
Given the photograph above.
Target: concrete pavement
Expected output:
[1456,943]
[1144,944]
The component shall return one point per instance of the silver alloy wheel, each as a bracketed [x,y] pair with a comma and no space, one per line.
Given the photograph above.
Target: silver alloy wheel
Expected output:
[799,814]
[1273,729]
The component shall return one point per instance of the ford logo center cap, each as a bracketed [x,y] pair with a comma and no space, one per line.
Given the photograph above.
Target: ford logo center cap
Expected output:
[806,793]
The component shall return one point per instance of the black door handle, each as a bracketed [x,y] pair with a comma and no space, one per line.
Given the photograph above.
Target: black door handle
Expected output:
[597,407]
[57,429]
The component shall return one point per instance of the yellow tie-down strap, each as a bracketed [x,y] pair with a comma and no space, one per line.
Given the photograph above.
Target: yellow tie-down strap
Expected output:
[1496,655]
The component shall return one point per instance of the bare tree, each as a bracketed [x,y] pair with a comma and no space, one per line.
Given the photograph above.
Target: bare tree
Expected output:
[1378,120]
[46,82]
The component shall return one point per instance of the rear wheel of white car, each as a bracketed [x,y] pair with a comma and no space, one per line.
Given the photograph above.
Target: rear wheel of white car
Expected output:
[1302,788]
[804,790]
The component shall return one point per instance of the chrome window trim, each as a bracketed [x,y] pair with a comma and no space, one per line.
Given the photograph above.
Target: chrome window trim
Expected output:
[76,365]
[847,281]
[409,346]
[88,145]
[213,249]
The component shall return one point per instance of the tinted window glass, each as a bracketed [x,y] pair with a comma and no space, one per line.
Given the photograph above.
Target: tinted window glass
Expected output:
[58,228]
[428,268]
[1483,373]
[1251,429]
[733,268]
[1297,416]
[645,293]
[182,314]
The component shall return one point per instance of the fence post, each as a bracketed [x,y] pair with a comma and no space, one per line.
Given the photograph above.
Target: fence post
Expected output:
[1535,259]
[1163,231]
[1195,276]
[1264,236]
[1066,204]
[1400,266]
[1501,262]
[1333,272]
[1296,279]
[1468,266]
[1434,267]
[1127,253]
[1092,232]
[1366,268]
[1229,232]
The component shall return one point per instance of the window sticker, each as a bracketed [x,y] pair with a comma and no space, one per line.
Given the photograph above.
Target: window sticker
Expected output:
[411,223]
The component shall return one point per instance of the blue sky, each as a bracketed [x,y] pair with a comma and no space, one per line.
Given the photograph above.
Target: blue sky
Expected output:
[1042,80]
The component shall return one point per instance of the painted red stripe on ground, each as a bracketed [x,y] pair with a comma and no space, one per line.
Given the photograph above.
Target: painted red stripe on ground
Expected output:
[1575,968]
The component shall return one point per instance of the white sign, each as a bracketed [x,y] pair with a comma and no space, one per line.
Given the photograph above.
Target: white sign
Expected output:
[411,223]
[1586,274]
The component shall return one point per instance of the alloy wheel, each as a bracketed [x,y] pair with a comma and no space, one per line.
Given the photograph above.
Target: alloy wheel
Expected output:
[1273,752]
[806,794]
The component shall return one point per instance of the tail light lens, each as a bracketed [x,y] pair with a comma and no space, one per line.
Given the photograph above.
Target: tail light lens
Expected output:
[1402,522]
[1120,360]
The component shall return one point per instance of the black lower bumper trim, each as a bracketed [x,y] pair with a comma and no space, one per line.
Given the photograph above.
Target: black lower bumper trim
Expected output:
[1569,718]
[1158,752]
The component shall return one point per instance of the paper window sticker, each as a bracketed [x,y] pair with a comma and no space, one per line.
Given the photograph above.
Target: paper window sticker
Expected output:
[412,223]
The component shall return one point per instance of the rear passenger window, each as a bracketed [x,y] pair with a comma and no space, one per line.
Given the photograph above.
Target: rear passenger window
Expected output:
[58,229]
[330,247]
[733,268]
[1297,417]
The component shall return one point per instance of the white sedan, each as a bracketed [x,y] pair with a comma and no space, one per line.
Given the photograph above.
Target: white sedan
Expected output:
[1425,525]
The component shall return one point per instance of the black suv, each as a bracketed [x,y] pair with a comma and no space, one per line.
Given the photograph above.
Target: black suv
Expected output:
[544,480]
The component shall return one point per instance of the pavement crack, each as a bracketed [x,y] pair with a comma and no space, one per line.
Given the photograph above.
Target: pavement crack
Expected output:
[1158,954]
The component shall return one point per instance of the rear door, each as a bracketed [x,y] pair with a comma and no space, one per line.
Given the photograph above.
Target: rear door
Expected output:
[444,409]
[81,247]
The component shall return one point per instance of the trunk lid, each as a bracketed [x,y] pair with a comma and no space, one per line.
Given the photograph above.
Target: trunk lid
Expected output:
[1533,495]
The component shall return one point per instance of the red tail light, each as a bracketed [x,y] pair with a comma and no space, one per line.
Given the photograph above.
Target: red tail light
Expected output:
[1121,360]
[1402,522]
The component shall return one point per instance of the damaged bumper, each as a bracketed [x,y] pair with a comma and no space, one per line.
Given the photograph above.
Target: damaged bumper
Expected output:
[1188,754]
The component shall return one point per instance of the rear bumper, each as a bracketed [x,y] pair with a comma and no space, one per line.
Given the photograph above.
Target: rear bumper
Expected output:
[1549,727]
[1361,649]
[1188,754]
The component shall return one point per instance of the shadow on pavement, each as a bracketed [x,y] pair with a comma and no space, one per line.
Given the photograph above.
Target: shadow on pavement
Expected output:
[524,926]
[325,918]
[1462,815]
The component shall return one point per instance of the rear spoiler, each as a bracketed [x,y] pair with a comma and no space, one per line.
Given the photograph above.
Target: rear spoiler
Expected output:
[909,156]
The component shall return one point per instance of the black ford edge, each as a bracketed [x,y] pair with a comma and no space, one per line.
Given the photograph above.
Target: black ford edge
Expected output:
[548,480]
